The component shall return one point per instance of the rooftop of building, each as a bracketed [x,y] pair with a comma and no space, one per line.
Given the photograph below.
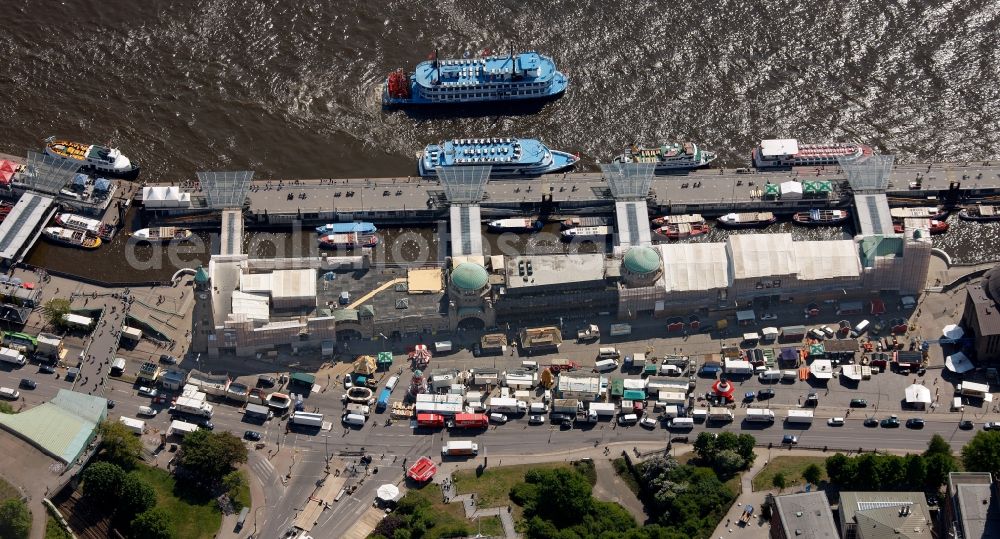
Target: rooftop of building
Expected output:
[976,504]
[382,290]
[61,427]
[806,515]
[887,515]
[987,310]
[556,269]
[641,259]
[469,276]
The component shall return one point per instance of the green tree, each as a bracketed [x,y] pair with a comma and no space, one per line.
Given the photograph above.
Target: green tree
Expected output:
[778,481]
[136,496]
[939,465]
[744,446]
[55,311]
[727,462]
[812,474]
[982,453]
[15,519]
[151,524]
[704,445]
[566,494]
[102,482]
[211,455]
[937,446]
[120,446]
[916,470]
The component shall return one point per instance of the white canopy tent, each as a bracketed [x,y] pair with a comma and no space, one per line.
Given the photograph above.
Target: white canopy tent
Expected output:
[917,395]
[387,492]
[952,331]
[958,363]
[822,369]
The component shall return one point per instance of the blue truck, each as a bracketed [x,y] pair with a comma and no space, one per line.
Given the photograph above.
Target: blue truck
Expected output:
[383,400]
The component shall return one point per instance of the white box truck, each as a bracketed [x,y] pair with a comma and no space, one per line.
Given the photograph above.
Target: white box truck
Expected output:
[442,346]
[720,415]
[770,375]
[800,416]
[193,406]
[507,405]
[181,428]
[454,448]
[760,415]
[681,423]
[605,410]
[135,425]
[307,419]
[9,355]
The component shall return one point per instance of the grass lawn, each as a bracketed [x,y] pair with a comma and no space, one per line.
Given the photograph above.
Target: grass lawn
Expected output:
[792,468]
[489,527]
[444,515]
[243,494]
[493,487]
[8,491]
[54,531]
[193,514]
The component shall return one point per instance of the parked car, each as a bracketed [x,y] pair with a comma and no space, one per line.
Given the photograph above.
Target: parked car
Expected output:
[111,404]
[559,418]
[148,391]
[892,422]
[566,424]
[205,423]
[348,384]
[648,422]
[28,384]
[827,331]
[768,316]
[266,381]
[966,424]
[789,439]
[498,418]
[991,425]
[536,420]
[859,403]
[46,369]
[765,394]
[252,435]
[168,359]
[871,422]
[835,422]
[749,396]
[915,423]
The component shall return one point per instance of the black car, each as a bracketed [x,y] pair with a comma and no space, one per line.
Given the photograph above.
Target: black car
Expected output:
[566,424]
[168,359]
[46,369]
[252,435]
[266,381]
[111,404]
[205,424]
[28,384]
[871,422]
[966,425]
[859,403]
[765,394]
[559,418]
[789,439]
[892,422]
[915,423]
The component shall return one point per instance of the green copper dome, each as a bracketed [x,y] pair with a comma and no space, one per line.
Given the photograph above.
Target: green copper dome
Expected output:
[469,276]
[201,276]
[641,260]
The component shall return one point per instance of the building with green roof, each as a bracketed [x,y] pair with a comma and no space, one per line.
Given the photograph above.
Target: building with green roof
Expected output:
[641,266]
[62,427]
[469,276]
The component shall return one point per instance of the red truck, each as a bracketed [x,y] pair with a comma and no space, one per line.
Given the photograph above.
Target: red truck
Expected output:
[423,470]
[470,421]
[431,421]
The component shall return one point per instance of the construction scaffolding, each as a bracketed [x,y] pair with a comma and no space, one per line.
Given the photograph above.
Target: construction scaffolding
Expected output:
[226,189]
[868,175]
[628,181]
[47,174]
[465,184]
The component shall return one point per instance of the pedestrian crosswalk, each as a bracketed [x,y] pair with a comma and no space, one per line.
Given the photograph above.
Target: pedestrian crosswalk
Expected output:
[263,468]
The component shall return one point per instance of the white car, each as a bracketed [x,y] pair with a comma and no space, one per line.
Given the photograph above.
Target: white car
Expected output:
[147,391]
[768,316]
[498,418]
[648,422]
[835,421]
[348,384]
[827,331]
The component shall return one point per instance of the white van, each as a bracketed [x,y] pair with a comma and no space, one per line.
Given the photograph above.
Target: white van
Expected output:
[147,411]
[699,415]
[498,418]
[442,346]
[539,408]
[118,367]
[354,419]
[681,423]
[671,411]
[628,419]
[860,329]
[9,394]
[608,352]
[606,365]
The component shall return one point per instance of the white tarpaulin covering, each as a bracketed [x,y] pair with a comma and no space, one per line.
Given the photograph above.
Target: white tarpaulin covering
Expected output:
[958,363]
[827,259]
[791,190]
[916,393]
[952,331]
[387,492]
[694,266]
[761,255]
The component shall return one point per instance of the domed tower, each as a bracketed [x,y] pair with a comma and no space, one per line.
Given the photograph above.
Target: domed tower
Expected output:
[469,284]
[641,266]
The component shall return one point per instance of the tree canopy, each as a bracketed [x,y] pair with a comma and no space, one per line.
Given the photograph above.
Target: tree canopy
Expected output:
[151,524]
[137,497]
[726,452]
[119,445]
[812,474]
[55,310]
[211,455]
[102,481]
[982,453]
[892,472]
[15,519]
